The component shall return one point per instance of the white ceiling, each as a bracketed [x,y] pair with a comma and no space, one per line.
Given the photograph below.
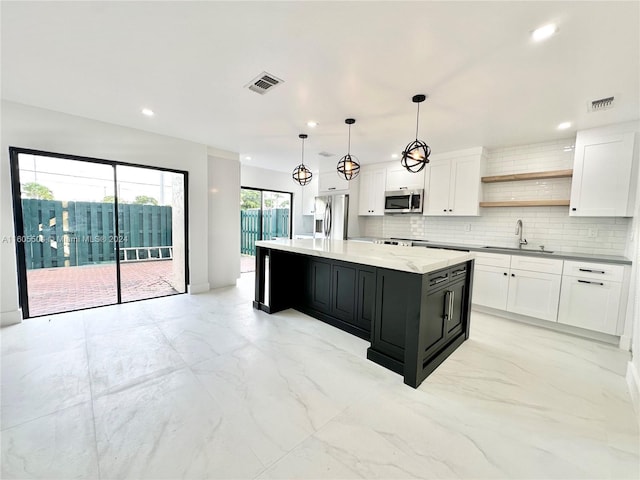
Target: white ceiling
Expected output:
[488,83]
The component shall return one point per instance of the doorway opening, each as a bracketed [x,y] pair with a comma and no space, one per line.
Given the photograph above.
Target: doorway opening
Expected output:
[92,232]
[264,215]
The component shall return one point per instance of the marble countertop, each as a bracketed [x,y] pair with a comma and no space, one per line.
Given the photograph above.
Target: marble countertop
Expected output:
[394,257]
[584,257]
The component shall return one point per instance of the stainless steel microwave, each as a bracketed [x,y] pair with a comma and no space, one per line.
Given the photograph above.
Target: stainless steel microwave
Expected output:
[403,201]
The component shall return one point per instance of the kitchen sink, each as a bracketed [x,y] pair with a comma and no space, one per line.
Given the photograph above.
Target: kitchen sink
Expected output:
[513,249]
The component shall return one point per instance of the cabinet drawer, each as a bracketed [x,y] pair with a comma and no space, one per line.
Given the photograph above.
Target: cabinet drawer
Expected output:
[601,271]
[493,259]
[536,264]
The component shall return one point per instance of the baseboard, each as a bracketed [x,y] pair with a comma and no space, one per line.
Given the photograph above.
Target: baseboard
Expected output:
[10,318]
[198,288]
[625,343]
[633,382]
[557,327]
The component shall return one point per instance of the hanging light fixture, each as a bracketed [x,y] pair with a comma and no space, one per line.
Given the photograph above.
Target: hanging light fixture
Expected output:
[301,173]
[416,154]
[348,166]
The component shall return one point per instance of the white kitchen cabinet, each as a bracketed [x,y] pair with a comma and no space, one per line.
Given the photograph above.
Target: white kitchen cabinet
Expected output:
[603,182]
[399,178]
[591,296]
[453,185]
[519,284]
[372,187]
[490,286]
[534,294]
[590,304]
[330,182]
[309,194]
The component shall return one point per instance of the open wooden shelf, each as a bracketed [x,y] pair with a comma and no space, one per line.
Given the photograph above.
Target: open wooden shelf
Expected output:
[528,176]
[527,203]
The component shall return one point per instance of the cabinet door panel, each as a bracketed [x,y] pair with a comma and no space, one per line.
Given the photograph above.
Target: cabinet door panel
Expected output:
[377,191]
[343,297]
[490,286]
[534,294]
[329,182]
[437,194]
[602,175]
[433,333]
[456,313]
[464,198]
[590,304]
[364,197]
[366,301]
[399,178]
[320,282]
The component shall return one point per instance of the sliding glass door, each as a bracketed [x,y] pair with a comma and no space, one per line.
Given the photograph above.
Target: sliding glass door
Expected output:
[264,215]
[73,254]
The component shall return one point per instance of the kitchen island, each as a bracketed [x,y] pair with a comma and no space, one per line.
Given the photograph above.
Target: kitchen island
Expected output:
[412,304]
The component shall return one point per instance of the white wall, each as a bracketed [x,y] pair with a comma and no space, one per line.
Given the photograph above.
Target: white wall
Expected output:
[549,226]
[224,218]
[29,127]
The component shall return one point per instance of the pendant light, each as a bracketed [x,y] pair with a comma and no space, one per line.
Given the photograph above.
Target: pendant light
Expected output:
[301,173]
[416,154]
[348,166]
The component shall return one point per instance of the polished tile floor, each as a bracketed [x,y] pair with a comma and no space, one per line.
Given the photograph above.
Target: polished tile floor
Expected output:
[205,387]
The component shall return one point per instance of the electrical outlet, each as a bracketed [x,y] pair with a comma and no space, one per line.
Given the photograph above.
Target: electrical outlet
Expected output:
[467,227]
[593,233]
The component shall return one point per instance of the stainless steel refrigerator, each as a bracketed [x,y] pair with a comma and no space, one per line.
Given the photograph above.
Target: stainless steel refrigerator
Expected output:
[331,217]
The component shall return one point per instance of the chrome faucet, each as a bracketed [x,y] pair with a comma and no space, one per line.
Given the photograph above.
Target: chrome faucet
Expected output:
[519,229]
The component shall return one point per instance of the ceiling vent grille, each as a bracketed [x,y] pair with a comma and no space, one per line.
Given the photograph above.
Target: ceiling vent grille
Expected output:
[601,104]
[326,154]
[263,83]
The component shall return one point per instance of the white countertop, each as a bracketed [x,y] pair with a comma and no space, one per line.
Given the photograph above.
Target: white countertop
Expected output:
[394,257]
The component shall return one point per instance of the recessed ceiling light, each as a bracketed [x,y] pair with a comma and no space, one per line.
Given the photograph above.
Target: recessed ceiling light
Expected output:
[394,155]
[544,32]
[247,158]
[148,112]
[312,124]
[564,125]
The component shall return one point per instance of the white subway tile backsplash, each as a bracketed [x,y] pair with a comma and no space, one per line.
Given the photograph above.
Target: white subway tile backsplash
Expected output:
[548,226]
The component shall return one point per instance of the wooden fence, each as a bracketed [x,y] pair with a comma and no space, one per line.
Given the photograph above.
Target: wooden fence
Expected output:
[275,223]
[58,234]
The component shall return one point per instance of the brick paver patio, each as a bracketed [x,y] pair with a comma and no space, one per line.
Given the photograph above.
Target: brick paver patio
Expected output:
[54,290]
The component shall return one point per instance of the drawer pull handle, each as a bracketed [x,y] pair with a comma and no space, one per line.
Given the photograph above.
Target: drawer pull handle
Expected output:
[455,273]
[592,283]
[591,271]
[437,280]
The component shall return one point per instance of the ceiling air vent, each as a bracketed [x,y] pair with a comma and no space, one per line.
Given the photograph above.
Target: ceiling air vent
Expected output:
[326,154]
[601,104]
[263,83]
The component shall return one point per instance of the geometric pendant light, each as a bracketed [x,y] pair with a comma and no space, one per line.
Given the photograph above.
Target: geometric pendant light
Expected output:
[301,173]
[416,154]
[348,166]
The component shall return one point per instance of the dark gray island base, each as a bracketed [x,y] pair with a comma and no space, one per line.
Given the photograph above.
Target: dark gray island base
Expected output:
[414,321]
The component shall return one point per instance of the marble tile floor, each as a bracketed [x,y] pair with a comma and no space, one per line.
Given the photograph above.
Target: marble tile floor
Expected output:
[203,386]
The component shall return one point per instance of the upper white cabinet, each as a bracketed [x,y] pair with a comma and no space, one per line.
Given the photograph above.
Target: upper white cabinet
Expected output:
[372,187]
[329,182]
[309,193]
[603,174]
[399,178]
[452,183]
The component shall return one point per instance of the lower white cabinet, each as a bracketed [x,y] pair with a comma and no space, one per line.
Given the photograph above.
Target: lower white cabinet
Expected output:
[587,295]
[591,296]
[524,285]
[490,286]
[535,294]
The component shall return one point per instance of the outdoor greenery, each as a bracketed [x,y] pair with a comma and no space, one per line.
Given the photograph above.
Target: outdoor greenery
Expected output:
[139,200]
[145,200]
[251,199]
[36,191]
